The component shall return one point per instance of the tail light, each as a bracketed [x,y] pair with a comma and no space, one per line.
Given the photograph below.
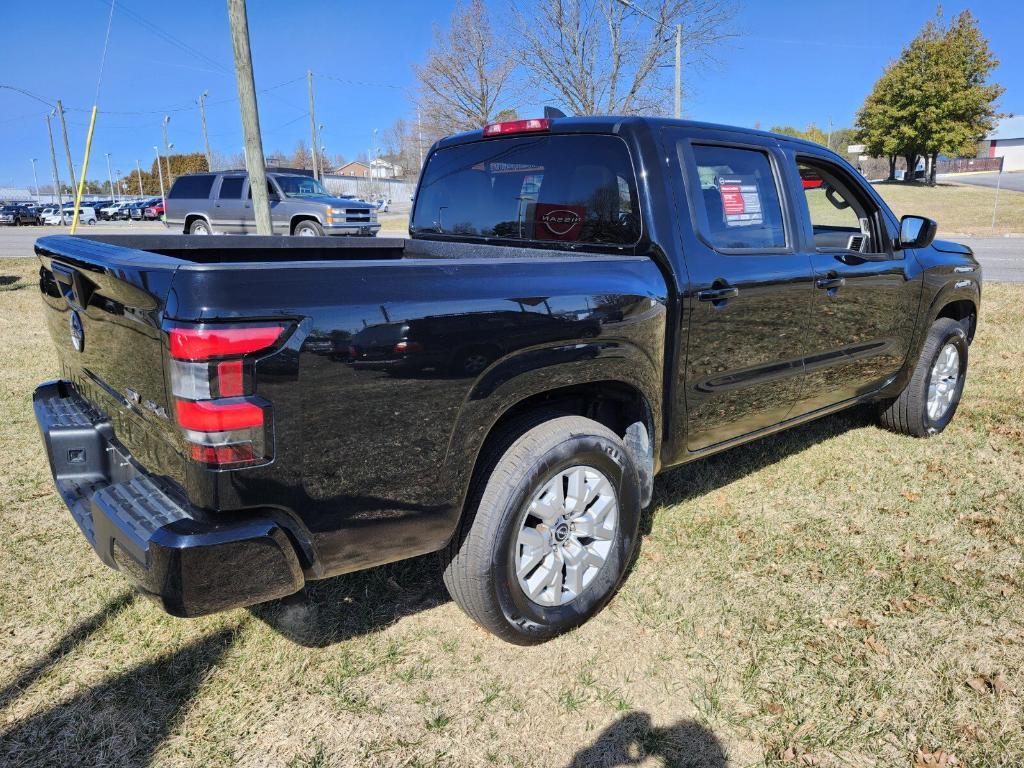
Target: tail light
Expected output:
[212,378]
[407,347]
[517,126]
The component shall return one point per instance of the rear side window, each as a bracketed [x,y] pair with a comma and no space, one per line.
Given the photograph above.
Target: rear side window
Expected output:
[573,189]
[192,187]
[741,198]
[231,187]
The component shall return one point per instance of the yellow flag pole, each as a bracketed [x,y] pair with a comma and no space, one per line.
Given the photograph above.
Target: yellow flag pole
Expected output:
[85,169]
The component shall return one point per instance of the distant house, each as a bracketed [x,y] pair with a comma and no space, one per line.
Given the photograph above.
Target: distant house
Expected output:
[355,168]
[377,169]
[1007,142]
[382,169]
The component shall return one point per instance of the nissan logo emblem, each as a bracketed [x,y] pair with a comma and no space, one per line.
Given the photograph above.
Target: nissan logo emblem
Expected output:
[77,332]
[560,222]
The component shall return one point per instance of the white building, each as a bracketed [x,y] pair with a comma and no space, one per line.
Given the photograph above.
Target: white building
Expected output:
[1007,142]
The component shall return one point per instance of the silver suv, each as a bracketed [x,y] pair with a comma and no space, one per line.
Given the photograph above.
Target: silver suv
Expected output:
[209,203]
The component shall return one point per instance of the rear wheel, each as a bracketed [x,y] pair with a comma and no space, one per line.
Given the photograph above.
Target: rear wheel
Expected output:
[199,227]
[549,529]
[930,399]
[308,229]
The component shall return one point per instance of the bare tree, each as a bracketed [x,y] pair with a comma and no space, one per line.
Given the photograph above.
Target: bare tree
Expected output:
[466,79]
[610,57]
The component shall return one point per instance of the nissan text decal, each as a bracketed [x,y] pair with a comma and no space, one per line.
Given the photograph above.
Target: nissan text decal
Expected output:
[558,222]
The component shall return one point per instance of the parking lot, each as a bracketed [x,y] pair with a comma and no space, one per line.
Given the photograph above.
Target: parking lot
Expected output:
[18,241]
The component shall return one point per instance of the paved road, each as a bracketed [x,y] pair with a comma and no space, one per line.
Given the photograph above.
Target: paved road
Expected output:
[1002,258]
[1014,181]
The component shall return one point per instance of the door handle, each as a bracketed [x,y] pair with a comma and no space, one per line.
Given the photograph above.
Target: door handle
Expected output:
[830,283]
[718,294]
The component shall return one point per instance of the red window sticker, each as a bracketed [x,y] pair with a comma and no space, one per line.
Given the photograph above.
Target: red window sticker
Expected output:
[741,201]
[732,199]
[553,221]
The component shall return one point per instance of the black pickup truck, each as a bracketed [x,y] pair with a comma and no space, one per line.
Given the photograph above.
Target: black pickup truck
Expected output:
[582,303]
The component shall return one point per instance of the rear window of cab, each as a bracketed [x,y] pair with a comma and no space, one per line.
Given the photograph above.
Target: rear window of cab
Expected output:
[550,188]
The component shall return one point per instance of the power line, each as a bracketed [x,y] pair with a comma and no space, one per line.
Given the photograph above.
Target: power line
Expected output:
[169,38]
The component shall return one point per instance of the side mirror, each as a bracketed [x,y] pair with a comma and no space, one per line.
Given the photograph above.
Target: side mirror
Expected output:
[917,231]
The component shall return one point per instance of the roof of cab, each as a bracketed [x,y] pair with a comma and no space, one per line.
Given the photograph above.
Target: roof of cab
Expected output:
[614,123]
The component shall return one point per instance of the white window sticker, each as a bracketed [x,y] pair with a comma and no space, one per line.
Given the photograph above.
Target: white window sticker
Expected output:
[741,202]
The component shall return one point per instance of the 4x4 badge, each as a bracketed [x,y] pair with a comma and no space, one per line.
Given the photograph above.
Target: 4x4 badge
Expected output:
[77,332]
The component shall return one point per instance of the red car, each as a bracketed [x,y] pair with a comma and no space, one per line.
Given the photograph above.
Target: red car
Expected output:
[155,211]
[810,179]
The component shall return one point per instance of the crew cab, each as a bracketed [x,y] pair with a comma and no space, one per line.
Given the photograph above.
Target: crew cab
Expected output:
[582,303]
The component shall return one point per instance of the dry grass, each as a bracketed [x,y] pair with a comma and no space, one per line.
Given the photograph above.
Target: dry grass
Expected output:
[959,208]
[826,596]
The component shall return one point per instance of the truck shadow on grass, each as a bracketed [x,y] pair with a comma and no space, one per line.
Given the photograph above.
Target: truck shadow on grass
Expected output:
[633,739]
[122,721]
[336,609]
[332,610]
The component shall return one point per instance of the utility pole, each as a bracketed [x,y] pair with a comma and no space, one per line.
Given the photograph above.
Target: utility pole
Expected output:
[160,170]
[250,116]
[110,177]
[828,139]
[312,124]
[206,138]
[167,148]
[53,162]
[67,145]
[34,177]
[138,170]
[679,71]
[419,135]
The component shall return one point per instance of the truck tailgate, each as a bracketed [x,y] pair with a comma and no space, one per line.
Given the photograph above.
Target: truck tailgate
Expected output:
[104,306]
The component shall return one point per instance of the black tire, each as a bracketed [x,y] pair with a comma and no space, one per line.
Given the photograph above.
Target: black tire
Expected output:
[470,362]
[480,560]
[908,413]
[199,227]
[308,229]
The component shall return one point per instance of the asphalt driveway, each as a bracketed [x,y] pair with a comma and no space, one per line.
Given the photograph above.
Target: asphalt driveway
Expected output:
[1014,181]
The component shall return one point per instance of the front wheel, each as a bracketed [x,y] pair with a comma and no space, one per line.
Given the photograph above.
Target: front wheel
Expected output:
[932,395]
[199,227]
[308,229]
[549,529]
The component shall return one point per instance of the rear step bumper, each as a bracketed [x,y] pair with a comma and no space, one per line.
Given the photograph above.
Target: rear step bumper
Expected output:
[190,565]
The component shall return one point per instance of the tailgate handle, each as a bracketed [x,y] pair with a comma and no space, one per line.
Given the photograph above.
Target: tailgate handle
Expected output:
[76,289]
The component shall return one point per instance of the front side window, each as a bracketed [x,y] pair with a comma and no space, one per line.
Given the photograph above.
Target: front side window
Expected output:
[300,186]
[741,198]
[194,187]
[841,218]
[571,189]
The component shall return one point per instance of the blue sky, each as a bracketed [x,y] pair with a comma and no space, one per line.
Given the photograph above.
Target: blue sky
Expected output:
[793,63]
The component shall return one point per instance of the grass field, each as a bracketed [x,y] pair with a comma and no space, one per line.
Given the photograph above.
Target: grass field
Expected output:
[959,208]
[835,595]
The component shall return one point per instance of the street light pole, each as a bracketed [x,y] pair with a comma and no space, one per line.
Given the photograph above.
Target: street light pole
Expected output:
[167,148]
[160,170]
[35,178]
[110,177]
[138,170]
